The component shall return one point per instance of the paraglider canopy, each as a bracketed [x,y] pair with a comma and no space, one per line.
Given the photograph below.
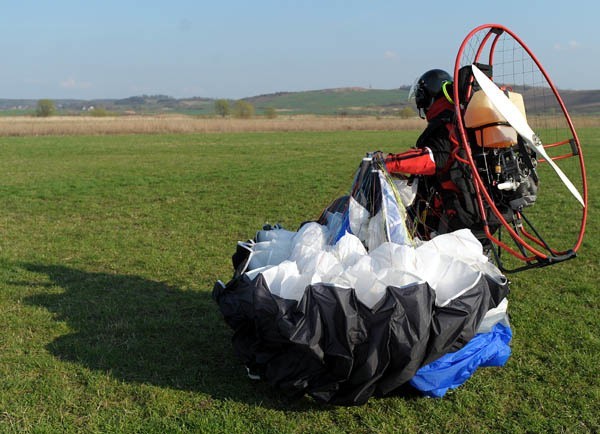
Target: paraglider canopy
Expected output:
[351,304]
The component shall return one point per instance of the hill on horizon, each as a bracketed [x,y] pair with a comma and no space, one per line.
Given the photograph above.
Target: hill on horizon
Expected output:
[338,101]
[346,101]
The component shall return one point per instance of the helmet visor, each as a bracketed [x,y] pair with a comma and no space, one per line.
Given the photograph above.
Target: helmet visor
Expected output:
[413,90]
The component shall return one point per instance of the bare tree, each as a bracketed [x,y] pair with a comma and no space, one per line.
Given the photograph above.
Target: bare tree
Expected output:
[45,108]
[222,107]
[243,109]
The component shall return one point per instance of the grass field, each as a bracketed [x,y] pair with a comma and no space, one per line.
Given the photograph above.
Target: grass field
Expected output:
[110,248]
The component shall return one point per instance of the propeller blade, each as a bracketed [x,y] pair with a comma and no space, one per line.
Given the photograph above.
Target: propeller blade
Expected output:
[516,119]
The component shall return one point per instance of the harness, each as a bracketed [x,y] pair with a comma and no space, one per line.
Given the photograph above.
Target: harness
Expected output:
[453,181]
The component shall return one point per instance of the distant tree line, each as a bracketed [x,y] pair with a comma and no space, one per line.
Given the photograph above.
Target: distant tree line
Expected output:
[240,109]
[47,107]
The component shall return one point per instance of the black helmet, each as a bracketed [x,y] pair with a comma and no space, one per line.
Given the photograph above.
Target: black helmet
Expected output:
[429,87]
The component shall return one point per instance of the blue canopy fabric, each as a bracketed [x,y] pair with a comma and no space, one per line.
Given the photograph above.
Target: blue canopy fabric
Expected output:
[453,369]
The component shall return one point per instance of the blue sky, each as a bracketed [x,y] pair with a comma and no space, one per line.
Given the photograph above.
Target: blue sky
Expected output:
[234,49]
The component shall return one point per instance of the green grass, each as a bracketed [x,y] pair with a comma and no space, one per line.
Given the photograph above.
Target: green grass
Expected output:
[110,248]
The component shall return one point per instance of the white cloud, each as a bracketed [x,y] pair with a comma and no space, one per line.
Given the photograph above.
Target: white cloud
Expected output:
[390,54]
[569,46]
[71,83]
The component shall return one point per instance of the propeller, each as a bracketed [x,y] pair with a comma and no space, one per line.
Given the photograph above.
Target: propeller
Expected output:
[516,119]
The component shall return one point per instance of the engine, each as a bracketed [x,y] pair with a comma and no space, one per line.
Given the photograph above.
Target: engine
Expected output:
[511,176]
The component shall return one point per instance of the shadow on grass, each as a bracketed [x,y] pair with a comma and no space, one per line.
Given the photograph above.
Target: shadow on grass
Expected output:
[143,331]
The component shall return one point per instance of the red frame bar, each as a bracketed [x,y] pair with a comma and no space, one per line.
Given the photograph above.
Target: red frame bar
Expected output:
[481,191]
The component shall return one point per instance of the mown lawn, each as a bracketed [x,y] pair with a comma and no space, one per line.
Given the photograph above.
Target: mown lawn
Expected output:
[110,248]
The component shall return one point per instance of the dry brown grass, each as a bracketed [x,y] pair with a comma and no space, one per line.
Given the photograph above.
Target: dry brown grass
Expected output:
[164,124]
[586,121]
[579,121]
